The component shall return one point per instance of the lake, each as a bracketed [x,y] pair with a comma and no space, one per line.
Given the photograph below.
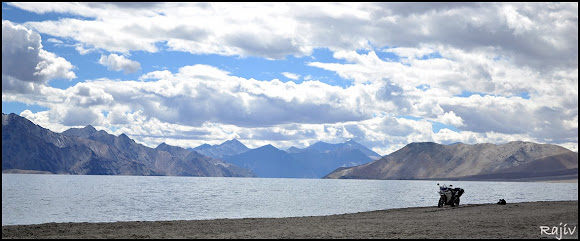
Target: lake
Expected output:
[37,198]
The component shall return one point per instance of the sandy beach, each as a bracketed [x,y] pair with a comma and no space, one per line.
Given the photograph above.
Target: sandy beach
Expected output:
[514,220]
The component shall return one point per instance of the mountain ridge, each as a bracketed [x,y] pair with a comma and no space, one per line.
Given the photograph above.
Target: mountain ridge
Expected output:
[428,160]
[313,161]
[27,146]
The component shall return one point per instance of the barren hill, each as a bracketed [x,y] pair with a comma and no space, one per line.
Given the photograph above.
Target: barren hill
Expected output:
[510,161]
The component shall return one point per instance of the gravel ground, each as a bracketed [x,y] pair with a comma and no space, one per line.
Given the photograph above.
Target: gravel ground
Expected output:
[471,221]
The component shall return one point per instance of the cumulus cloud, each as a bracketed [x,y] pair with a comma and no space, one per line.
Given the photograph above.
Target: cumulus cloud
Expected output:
[119,62]
[25,65]
[77,116]
[450,118]
[494,71]
[201,103]
[201,93]
[214,101]
[276,30]
[473,91]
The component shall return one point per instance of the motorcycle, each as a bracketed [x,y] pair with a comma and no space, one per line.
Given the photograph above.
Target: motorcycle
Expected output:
[449,195]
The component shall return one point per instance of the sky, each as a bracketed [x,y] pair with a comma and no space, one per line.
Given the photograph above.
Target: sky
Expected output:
[292,74]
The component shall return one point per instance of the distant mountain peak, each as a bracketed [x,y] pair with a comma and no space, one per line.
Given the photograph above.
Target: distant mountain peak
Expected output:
[11,115]
[162,145]
[84,132]
[230,147]
[126,138]
[233,142]
[320,145]
[269,146]
[348,145]
[7,117]
[90,128]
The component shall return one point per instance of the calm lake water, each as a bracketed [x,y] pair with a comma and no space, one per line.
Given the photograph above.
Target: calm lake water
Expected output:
[34,198]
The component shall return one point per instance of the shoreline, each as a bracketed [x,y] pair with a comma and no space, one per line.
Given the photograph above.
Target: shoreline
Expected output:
[514,220]
[545,180]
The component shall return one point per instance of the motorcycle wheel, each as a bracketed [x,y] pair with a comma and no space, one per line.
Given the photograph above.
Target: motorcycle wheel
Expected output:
[441,202]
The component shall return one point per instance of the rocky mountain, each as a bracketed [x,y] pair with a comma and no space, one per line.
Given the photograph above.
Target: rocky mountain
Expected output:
[26,146]
[511,161]
[228,148]
[312,162]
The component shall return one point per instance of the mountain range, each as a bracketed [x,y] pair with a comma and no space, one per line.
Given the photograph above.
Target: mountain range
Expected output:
[314,161]
[28,147]
[517,160]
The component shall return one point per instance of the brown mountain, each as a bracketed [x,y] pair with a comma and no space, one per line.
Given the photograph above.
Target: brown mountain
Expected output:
[511,161]
[26,146]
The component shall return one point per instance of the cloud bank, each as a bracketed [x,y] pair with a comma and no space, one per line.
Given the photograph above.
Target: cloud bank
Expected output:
[442,72]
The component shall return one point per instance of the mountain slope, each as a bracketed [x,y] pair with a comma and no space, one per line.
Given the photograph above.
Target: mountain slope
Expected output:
[429,160]
[26,146]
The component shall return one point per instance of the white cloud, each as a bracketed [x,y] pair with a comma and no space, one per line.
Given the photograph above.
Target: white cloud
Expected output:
[205,104]
[450,118]
[519,23]
[164,74]
[213,104]
[201,93]
[292,76]
[490,55]
[78,116]
[25,65]
[119,62]
[412,53]
[276,30]
[55,41]
[571,124]
[431,89]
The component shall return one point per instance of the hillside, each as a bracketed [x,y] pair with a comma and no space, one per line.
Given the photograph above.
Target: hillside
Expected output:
[511,161]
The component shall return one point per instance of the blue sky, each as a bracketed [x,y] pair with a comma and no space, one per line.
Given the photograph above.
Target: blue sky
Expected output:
[293,74]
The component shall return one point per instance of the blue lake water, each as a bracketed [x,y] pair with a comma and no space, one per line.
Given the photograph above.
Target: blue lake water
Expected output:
[36,198]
